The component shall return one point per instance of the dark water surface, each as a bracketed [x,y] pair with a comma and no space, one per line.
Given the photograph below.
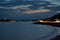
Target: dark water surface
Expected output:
[26,31]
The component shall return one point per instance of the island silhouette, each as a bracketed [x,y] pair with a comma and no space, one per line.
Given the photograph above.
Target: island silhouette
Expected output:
[54,21]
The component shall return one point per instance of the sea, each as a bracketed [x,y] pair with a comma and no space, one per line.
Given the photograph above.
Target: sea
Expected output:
[27,31]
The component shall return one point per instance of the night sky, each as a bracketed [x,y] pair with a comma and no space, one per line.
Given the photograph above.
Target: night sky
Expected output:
[32,0]
[52,1]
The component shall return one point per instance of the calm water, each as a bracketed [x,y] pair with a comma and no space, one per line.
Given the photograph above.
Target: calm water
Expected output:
[26,31]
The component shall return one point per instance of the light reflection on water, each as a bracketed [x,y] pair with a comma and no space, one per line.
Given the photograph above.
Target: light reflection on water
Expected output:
[26,31]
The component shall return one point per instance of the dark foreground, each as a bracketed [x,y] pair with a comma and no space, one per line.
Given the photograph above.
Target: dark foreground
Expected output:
[52,24]
[56,38]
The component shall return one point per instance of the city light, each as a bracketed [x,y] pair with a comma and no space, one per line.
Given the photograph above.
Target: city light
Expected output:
[57,21]
[41,20]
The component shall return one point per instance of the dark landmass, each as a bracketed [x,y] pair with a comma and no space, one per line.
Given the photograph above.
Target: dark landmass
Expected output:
[56,38]
[50,21]
[52,24]
[56,17]
[53,18]
[7,20]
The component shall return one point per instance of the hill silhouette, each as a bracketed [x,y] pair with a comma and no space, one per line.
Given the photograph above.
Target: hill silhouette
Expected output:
[57,16]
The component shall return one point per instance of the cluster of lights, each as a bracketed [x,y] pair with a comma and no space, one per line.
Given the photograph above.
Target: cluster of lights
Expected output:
[47,21]
[57,21]
[41,20]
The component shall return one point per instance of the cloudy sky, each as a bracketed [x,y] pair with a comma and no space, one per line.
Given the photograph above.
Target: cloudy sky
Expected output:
[32,0]
[52,1]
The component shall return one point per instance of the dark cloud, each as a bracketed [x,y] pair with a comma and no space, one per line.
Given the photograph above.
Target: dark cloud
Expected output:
[52,1]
